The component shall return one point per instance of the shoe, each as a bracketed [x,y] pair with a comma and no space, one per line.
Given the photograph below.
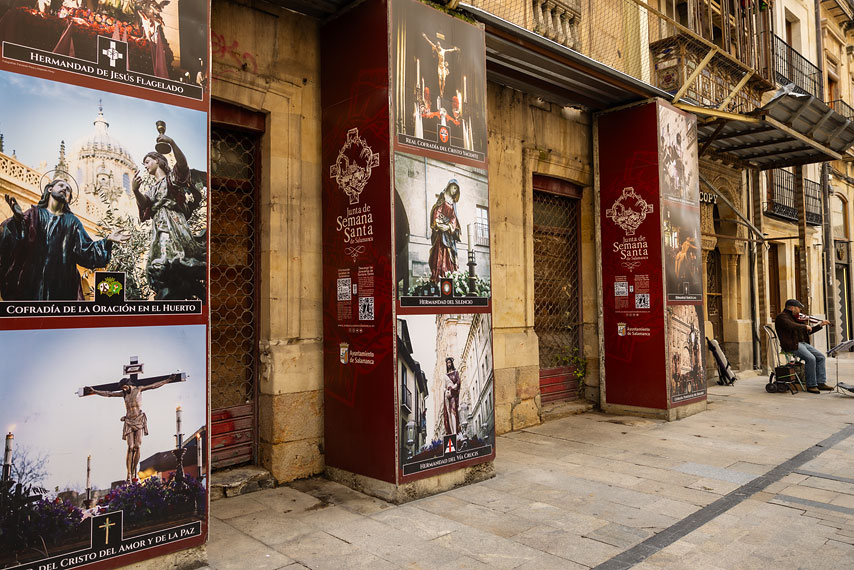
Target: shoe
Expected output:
[813,390]
[824,387]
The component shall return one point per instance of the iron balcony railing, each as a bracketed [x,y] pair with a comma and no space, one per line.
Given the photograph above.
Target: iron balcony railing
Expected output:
[812,205]
[842,108]
[781,198]
[781,195]
[791,67]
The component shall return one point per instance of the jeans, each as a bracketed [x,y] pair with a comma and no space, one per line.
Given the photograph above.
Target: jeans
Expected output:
[813,364]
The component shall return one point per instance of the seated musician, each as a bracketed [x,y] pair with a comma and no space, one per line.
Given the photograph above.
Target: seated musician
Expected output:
[793,330]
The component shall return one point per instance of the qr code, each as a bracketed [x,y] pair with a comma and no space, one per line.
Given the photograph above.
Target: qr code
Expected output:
[621,289]
[366,308]
[642,300]
[344,289]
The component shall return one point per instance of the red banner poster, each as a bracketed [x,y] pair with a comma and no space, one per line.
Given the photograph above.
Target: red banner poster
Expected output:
[406,270]
[104,272]
[651,263]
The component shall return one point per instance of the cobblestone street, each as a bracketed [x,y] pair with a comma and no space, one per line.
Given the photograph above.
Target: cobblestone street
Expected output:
[758,481]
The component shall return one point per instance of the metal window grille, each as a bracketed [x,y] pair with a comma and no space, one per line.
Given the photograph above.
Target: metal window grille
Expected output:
[557,310]
[233,291]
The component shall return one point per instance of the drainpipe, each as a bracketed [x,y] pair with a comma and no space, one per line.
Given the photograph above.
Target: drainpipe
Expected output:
[828,260]
[751,263]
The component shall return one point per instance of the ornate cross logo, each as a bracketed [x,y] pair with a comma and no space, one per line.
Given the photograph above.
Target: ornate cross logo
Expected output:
[352,168]
[629,211]
[112,53]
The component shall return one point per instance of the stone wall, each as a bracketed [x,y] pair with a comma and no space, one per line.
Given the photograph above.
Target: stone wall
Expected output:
[527,137]
[268,60]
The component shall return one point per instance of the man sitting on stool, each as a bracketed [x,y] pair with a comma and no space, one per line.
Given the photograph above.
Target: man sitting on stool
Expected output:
[794,334]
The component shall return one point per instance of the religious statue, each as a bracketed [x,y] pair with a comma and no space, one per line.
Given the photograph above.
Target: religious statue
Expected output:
[445,232]
[135,421]
[177,264]
[41,248]
[443,68]
[452,398]
[686,259]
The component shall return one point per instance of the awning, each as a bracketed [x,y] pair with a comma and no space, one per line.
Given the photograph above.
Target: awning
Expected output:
[528,62]
[791,129]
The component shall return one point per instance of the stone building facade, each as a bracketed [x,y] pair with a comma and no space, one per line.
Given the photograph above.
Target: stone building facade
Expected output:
[266,62]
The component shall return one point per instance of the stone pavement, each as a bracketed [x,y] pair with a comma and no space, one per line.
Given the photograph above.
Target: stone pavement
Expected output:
[742,485]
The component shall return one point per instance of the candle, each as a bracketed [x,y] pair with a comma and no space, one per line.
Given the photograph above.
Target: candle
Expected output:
[88,472]
[199,454]
[7,458]
[178,426]
[465,91]
[418,72]
[471,238]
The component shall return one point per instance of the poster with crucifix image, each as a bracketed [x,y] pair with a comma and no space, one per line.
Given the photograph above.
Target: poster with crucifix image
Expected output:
[103,280]
[106,433]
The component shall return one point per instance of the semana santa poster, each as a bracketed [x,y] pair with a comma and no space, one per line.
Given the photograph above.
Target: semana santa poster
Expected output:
[104,255]
[148,48]
[71,447]
[133,234]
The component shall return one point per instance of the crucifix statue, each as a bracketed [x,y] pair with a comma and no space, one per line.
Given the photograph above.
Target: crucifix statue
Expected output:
[131,388]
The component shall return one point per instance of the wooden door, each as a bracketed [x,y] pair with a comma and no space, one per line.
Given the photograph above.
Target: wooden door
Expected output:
[557,285]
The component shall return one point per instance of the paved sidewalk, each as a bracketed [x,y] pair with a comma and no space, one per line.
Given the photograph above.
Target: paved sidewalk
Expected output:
[742,485]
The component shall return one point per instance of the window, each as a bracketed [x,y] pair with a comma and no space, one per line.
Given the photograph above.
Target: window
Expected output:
[126,182]
[482,226]
[839,217]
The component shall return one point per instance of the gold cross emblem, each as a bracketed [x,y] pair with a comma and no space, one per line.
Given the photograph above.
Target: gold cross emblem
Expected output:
[106,526]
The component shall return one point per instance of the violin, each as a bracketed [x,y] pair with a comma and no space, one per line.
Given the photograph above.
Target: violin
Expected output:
[812,321]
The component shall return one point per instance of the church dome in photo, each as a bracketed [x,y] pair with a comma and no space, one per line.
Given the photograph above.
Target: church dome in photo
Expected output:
[100,141]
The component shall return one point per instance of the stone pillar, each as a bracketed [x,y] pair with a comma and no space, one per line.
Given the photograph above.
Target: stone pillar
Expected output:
[761,261]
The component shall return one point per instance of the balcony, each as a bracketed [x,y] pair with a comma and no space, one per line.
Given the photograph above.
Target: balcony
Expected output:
[557,20]
[790,67]
[781,198]
[812,196]
[663,49]
[842,108]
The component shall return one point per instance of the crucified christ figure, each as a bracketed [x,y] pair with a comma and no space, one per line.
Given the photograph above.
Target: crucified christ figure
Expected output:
[135,422]
[443,68]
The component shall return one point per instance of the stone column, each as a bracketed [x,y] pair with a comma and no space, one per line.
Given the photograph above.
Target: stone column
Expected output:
[761,261]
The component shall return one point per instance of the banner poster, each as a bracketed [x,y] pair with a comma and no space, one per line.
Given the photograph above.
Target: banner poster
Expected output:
[441,239]
[141,47]
[439,80]
[444,364]
[103,267]
[358,311]
[441,233]
[680,193]
[406,267]
[633,307]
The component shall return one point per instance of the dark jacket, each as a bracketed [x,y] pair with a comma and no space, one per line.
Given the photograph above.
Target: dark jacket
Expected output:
[791,331]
